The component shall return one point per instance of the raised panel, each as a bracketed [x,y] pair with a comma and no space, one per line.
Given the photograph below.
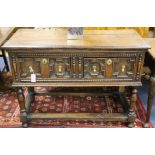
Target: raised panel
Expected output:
[124,68]
[94,68]
[60,68]
[27,66]
[113,68]
[44,67]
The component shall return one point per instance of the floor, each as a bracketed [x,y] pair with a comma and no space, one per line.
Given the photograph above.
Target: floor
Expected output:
[143,96]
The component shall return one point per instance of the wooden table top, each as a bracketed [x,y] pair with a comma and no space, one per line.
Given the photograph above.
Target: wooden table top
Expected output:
[101,39]
[151,42]
[3,38]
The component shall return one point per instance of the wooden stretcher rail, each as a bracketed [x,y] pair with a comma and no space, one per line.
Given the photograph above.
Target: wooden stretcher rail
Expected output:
[80,116]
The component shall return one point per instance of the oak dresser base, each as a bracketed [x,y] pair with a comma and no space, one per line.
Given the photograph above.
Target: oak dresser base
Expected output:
[101,58]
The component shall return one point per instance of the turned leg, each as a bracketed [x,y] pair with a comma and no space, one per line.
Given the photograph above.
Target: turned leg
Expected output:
[31,93]
[29,98]
[132,115]
[150,101]
[23,112]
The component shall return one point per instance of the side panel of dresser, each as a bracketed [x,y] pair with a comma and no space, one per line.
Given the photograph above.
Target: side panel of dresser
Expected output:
[80,67]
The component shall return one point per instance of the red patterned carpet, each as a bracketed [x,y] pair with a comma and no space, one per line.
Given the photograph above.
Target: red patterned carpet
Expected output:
[9,110]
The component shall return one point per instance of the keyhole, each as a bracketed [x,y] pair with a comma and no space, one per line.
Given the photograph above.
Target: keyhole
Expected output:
[31,69]
[44,61]
[123,68]
[60,68]
[94,68]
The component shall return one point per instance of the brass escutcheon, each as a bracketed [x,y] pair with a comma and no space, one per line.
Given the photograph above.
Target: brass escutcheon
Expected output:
[123,68]
[59,68]
[31,69]
[109,62]
[44,61]
[94,69]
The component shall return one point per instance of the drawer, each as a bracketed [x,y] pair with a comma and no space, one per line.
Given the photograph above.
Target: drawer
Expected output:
[66,68]
[52,68]
[116,68]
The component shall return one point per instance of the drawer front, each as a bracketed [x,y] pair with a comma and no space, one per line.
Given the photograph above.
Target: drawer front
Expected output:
[53,68]
[117,68]
[27,66]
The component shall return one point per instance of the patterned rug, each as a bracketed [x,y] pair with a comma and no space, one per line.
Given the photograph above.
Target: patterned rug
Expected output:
[9,110]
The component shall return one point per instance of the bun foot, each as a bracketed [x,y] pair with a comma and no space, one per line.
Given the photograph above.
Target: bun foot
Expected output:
[146,125]
[25,125]
[131,125]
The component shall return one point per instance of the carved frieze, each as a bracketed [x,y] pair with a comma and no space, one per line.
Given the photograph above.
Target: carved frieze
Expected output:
[82,66]
[94,68]
[60,67]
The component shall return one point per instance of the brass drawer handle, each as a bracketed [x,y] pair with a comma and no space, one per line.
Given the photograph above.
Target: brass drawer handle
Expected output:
[60,68]
[123,68]
[31,69]
[44,61]
[109,62]
[94,69]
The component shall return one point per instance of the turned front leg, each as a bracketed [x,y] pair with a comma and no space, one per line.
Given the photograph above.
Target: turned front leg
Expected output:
[132,114]
[29,98]
[23,112]
[31,93]
[151,94]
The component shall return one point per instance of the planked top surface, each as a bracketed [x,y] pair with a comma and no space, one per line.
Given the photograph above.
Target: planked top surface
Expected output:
[151,42]
[52,38]
[4,37]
